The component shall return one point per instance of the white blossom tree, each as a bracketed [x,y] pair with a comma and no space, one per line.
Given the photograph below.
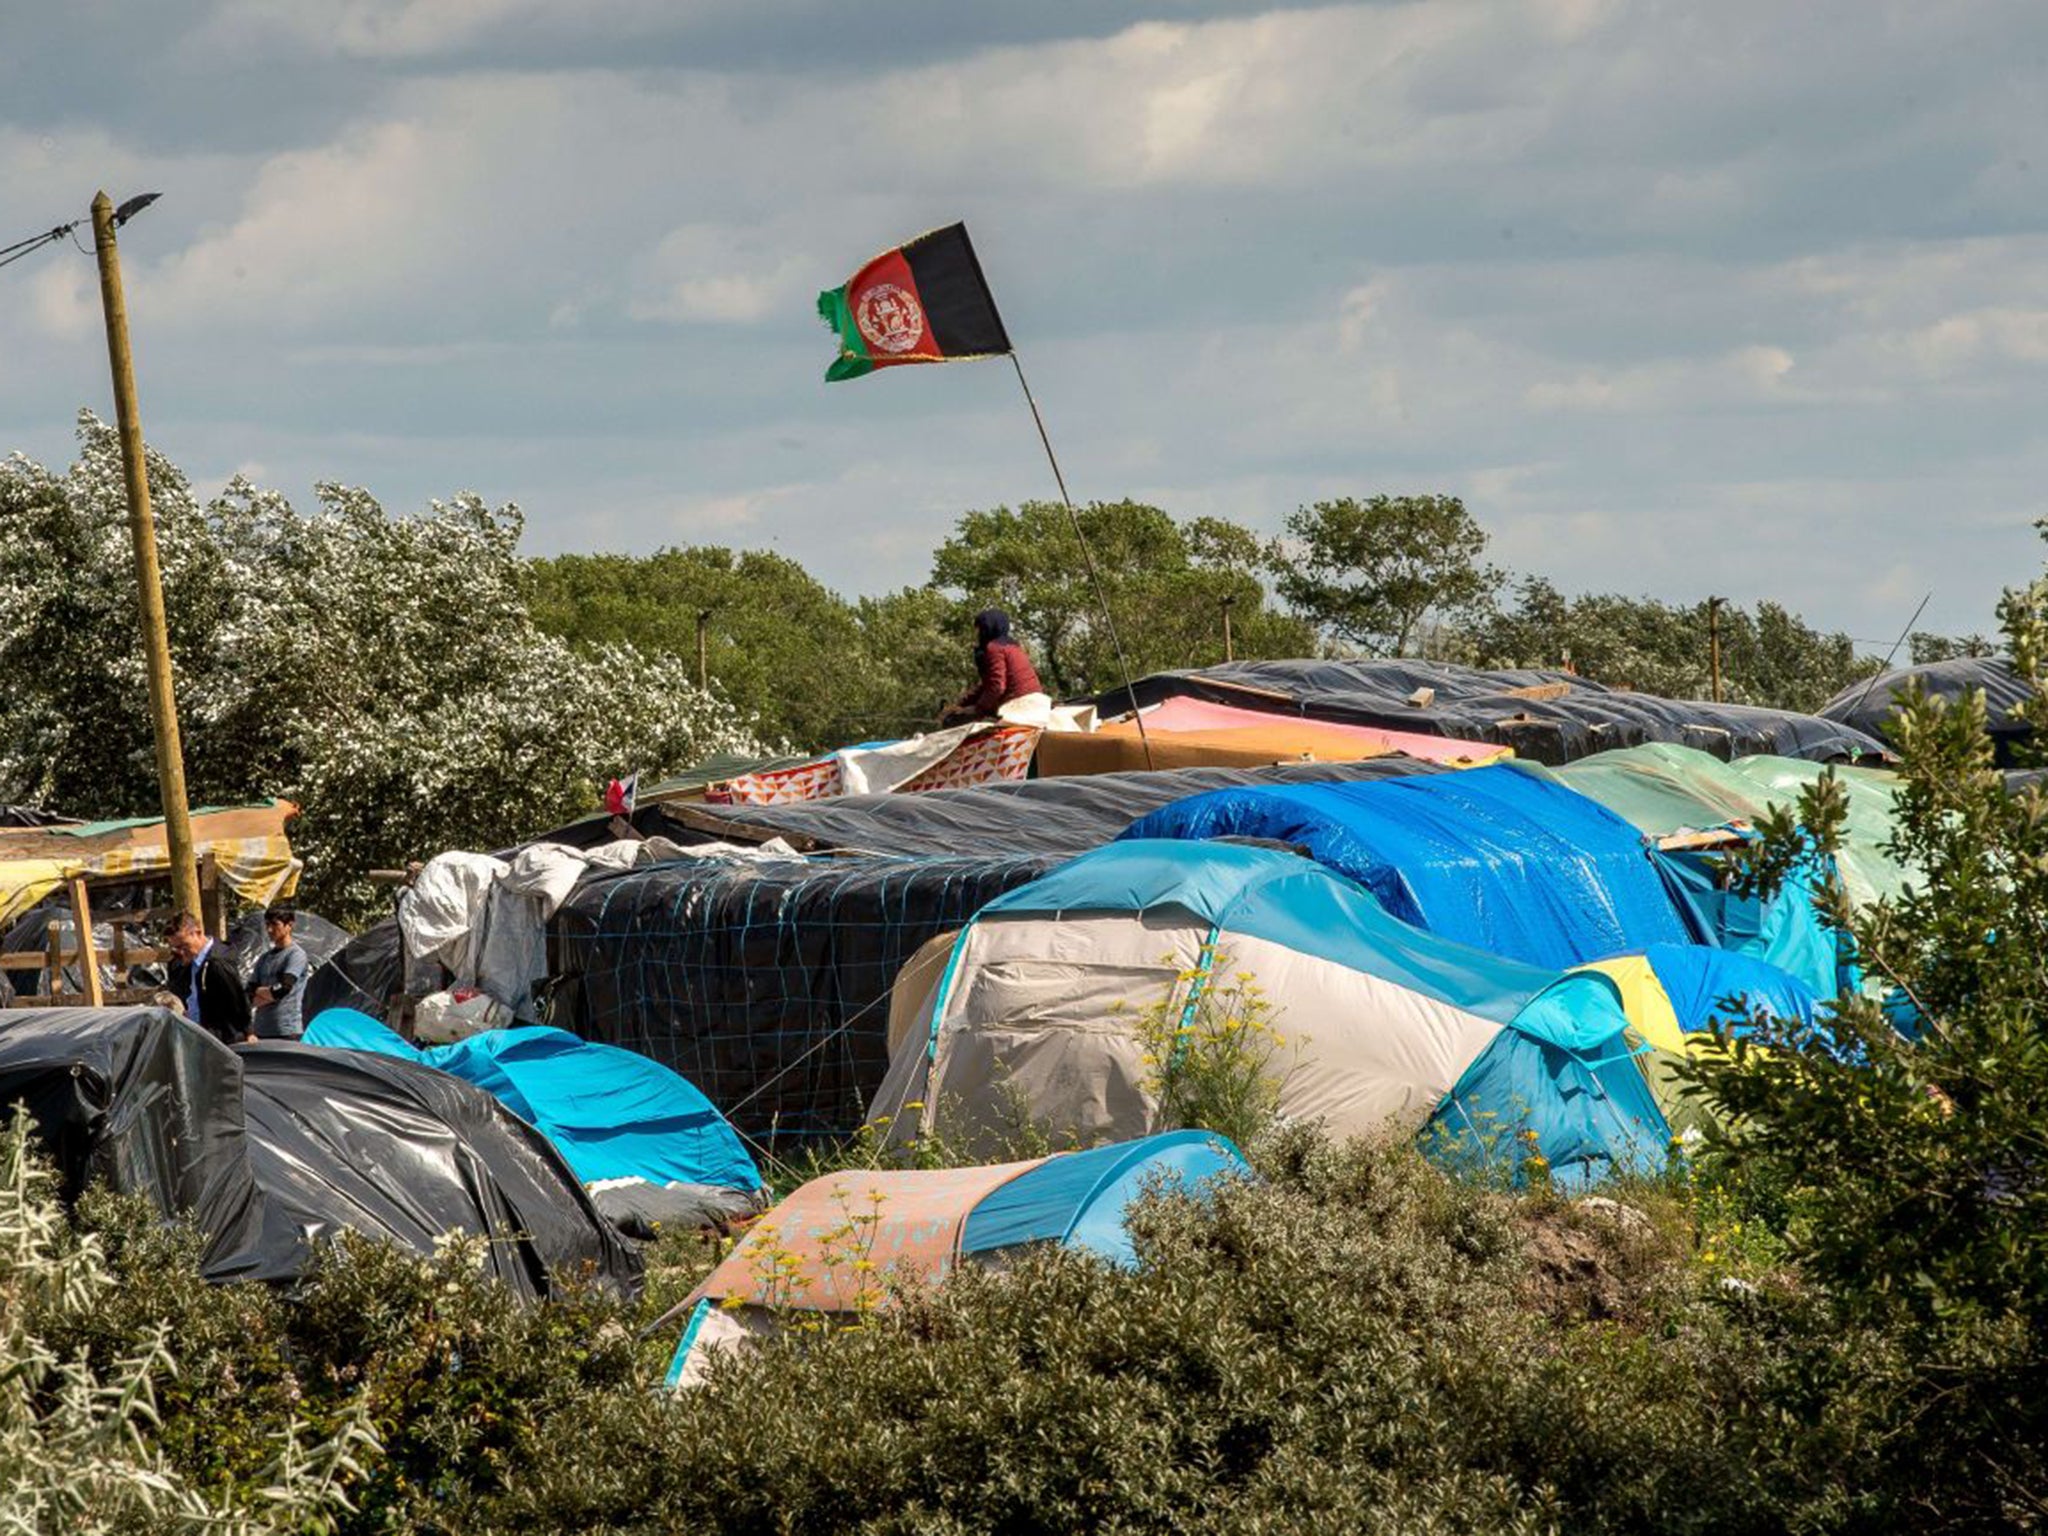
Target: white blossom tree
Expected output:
[383,672]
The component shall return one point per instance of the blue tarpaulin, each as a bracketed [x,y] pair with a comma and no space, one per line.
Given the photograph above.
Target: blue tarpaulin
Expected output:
[613,1114]
[1495,858]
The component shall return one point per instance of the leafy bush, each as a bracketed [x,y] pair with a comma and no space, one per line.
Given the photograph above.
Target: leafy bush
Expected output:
[1903,1152]
[384,672]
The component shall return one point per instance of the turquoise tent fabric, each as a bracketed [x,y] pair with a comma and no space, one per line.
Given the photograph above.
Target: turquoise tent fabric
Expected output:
[613,1114]
[1590,1117]
[1268,893]
[1080,1199]
[1496,858]
[1785,931]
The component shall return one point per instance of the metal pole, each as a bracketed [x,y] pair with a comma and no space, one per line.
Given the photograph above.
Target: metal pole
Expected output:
[1088,559]
[1714,643]
[703,652]
[156,645]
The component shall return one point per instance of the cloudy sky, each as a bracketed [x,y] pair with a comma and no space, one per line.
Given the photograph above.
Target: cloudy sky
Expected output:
[1747,297]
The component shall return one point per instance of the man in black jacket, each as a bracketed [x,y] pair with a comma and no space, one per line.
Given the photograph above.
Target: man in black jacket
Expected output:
[204,978]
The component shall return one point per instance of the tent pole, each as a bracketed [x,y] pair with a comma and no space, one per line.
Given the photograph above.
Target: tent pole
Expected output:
[1088,559]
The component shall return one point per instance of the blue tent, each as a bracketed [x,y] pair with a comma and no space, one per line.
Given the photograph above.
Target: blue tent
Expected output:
[1496,858]
[1385,1024]
[613,1114]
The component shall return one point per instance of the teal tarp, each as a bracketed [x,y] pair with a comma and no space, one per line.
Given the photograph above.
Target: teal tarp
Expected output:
[613,1114]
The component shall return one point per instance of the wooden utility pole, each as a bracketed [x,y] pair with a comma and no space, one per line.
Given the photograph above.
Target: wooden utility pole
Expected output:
[1229,654]
[156,645]
[1714,643]
[703,650]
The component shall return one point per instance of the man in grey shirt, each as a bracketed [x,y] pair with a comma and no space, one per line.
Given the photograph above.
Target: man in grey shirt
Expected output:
[277,985]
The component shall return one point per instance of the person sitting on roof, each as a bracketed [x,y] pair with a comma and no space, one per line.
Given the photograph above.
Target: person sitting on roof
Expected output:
[1006,671]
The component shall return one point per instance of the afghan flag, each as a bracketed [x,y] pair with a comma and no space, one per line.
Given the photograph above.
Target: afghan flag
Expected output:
[925,302]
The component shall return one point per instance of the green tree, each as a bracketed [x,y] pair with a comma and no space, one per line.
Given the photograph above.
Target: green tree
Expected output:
[1925,647]
[1902,1147]
[915,656]
[778,643]
[1371,572]
[383,672]
[1769,656]
[1166,584]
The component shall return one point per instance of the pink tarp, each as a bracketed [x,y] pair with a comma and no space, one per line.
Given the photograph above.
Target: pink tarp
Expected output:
[1199,715]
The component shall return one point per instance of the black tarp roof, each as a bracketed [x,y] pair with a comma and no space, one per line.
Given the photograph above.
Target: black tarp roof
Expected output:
[268,1148]
[765,984]
[1474,705]
[1025,816]
[1866,706]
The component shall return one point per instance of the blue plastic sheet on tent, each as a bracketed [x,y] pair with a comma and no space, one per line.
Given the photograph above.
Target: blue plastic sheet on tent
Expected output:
[1562,1069]
[1496,858]
[1785,930]
[613,1114]
[1080,1200]
[1708,984]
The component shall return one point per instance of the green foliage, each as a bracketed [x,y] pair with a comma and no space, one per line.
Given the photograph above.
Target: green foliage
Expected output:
[780,646]
[1910,1170]
[1370,572]
[1166,584]
[1769,656]
[384,673]
[1925,647]
[90,1439]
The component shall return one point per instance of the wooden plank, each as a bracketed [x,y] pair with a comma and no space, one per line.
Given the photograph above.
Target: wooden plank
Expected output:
[88,952]
[21,960]
[212,910]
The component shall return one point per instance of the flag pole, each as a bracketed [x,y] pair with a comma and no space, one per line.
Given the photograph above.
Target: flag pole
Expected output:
[1087,559]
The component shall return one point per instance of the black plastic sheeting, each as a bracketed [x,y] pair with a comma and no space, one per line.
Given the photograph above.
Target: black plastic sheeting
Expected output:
[1474,705]
[144,1101]
[400,1151]
[1866,706]
[766,985]
[363,974]
[1037,816]
[269,1149]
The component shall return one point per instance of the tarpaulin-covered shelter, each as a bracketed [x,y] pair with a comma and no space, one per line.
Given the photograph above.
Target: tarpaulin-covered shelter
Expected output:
[613,1114]
[1497,858]
[767,984]
[836,1243]
[1662,789]
[1386,1026]
[270,1150]
[246,845]
[1867,706]
[1546,716]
